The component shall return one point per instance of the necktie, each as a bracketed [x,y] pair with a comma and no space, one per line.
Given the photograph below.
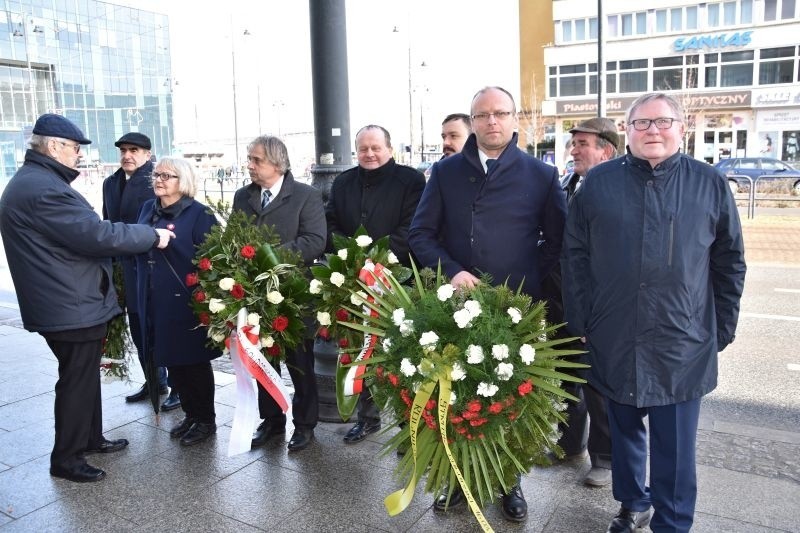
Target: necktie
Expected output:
[265,196]
[489,164]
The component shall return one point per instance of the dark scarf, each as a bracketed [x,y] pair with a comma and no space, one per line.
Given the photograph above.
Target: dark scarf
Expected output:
[170,212]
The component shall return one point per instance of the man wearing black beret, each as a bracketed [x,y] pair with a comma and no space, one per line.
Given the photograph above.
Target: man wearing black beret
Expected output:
[58,254]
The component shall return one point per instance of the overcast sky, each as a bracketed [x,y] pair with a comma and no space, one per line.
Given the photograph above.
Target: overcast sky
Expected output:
[464,44]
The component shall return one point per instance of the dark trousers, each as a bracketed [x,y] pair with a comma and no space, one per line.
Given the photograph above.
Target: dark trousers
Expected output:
[367,410]
[673,479]
[305,403]
[587,425]
[78,407]
[195,384]
[136,334]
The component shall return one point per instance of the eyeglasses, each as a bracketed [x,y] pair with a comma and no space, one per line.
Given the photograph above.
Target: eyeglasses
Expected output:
[76,147]
[163,176]
[643,124]
[499,115]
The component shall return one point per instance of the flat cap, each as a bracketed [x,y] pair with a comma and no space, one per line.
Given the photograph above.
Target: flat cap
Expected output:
[602,127]
[135,138]
[52,125]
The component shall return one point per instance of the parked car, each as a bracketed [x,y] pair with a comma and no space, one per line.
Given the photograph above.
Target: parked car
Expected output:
[425,168]
[755,167]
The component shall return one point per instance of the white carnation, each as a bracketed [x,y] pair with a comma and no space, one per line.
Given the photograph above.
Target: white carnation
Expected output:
[253,319]
[462,318]
[323,318]
[363,240]
[387,345]
[407,368]
[486,390]
[500,351]
[337,278]
[473,307]
[527,353]
[218,337]
[474,354]
[274,297]
[407,328]
[515,315]
[445,292]
[215,305]
[358,298]
[267,342]
[315,287]
[453,398]
[457,373]
[393,259]
[342,254]
[398,315]
[504,371]
[226,284]
[428,341]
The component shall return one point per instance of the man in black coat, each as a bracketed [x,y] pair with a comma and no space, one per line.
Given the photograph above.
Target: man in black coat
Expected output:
[58,253]
[296,213]
[124,192]
[382,196]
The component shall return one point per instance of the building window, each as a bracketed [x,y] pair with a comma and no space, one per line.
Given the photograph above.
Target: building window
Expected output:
[593,28]
[747,11]
[779,10]
[712,15]
[776,66]
[661,21]
[566,31]
[729,69]
[729,13]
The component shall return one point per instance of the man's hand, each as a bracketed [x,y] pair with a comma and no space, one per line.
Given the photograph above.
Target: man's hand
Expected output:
[164,235]
[464,279]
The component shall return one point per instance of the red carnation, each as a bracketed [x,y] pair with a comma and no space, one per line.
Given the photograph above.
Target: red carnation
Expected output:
[474,406]
[430,405]
[274,350]
[248,252]
[478,422]
[205,319]
[456,419]
[280,323]
[430,422]
[512,416]
[204,264]
[379,372]
[393,379]
[461,430]
[237,291]
[469,415]
[324,333]
[199,297]
[342,315]
[191,279]
[405,397]
[230,324]
[496,407]
[345,359]
[509,401]
[343,343]
[525,387]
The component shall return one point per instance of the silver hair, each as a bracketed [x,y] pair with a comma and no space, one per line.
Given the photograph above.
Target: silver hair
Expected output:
[187,180]
[275,151]
[674,104]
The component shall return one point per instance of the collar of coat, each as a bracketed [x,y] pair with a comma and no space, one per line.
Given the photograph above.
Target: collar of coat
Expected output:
[62,171]
[470,153]
[661,169]
[172,211]
[373,176]
[145,171]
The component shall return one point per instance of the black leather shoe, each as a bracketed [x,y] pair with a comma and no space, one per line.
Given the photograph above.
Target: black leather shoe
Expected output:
[301,438]
[182,427]
[513,505]
[456,500]
[142,394]
[84,473]
[360,431]
[628,521]
[173,401]
[199,432]
[266,430]
[109,446]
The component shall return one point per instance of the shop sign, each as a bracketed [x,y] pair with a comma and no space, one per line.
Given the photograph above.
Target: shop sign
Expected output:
[589,107]
[715,100]
[691,102]
[712,42]
[772,120]
[785,96]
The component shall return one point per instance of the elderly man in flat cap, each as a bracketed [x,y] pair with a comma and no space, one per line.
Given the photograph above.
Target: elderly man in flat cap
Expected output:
[58,252]
[124,192]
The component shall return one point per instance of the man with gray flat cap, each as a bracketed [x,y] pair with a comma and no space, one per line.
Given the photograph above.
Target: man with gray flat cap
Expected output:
[59,252]
[124,192]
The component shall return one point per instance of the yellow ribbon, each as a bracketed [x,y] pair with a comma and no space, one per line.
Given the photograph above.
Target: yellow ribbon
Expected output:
[396,502]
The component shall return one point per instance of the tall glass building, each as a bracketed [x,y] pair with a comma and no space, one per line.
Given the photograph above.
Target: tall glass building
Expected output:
[105,67]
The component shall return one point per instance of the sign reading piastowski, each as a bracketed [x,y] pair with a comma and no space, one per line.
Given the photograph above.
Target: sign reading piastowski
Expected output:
[696,101]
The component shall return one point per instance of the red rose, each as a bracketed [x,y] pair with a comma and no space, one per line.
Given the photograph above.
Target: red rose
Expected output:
[274,350]
[496,407]
[342,315]
[204,264]
[248,252]
[191,279]
[474,406]
[237,291]
[324,333]
[205,319]
[345,359]
[393,379]
[525,387]
[343,343]
[379,372]
[230,324]
[199,297]
[280,323]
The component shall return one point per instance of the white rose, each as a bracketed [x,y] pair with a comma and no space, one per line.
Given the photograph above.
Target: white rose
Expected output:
[527,353]
[407,368]
[428,341]
[504,371]
[486,389]
[462,318]
[358,298]
[387,345]
[253,319]
[453,398]
[215,305]
[363,240]
[342,254]
[323,318]
[473,307]
[393,259]
[445,292]
[515,315]
[315,287]
[398,315]
[226,284]
[457,373]
[267,342]
[407,328]
[337,279]
[274,297]
[500,351]
[474,354]
[218,337]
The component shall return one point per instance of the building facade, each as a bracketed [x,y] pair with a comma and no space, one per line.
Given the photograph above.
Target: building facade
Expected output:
[105,67]
[735,65]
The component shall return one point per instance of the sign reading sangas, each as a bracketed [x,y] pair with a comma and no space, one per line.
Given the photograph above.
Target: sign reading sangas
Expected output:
[712,42]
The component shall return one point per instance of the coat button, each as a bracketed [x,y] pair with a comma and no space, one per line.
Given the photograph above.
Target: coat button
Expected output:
[649,183]
[643,285]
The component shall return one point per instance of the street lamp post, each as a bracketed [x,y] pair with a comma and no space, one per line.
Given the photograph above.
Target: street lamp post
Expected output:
[235,114]
[410,101]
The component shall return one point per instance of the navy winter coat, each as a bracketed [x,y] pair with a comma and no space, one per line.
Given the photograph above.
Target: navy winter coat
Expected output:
[653,268]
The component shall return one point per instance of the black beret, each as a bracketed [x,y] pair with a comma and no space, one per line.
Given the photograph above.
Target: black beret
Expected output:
[136,139]
[51,125]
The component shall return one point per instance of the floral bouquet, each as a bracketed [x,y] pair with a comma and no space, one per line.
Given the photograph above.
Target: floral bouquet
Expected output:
[241,266]
[336,286]
[476,377]
[117,344]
